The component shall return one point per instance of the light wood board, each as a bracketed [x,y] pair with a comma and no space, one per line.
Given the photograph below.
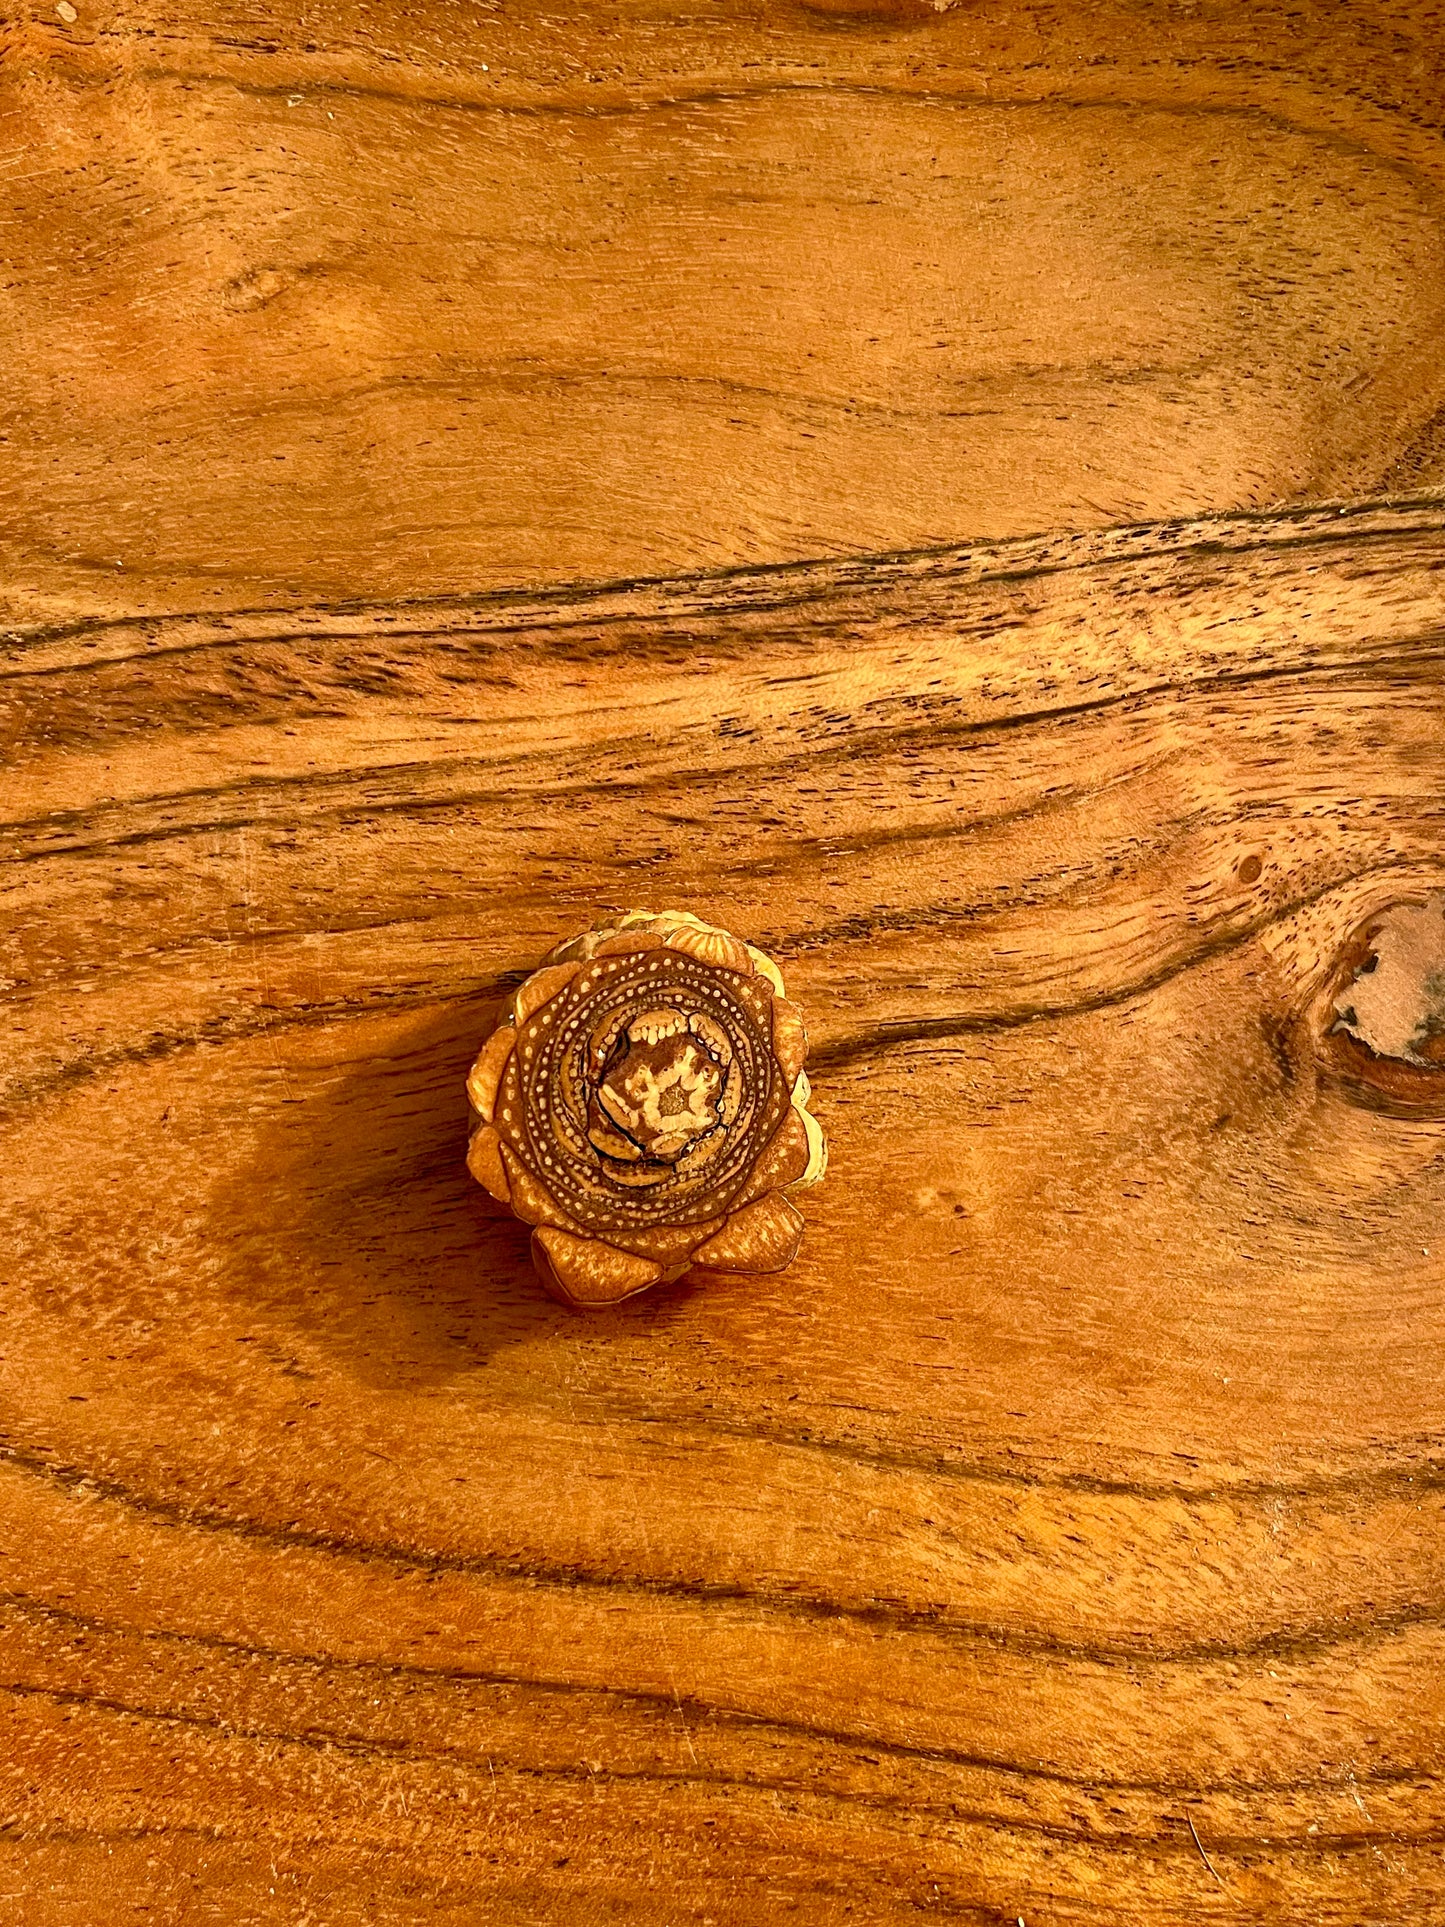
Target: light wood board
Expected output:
[951,493]
[392,301]
[1080,1483]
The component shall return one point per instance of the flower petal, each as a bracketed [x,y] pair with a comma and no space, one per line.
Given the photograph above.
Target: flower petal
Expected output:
[761,1237]
[790,1040]
[540,988]
[532,1204]
[587,1272]
[817,1150]
[484,1161]
[626,942]
[671,1245]
[486,1074]
[710,946]
[784,1158]
[766,969]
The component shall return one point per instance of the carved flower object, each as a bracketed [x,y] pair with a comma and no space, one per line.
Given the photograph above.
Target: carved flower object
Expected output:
[643,1107]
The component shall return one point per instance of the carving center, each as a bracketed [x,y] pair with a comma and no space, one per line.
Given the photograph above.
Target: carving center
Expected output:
[643,1093]
[659,1093]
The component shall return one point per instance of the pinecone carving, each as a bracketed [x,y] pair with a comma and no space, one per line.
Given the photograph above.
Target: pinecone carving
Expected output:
[643,1106]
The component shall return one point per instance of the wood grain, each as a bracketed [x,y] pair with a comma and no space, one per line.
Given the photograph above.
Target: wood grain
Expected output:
[1059,1540]
[390,301]
[856,470]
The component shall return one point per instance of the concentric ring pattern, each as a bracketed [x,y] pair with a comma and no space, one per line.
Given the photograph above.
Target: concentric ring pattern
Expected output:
[555,1113]
[643,1105]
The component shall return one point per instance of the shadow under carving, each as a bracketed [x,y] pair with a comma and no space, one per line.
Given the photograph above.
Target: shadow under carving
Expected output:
[381,1251]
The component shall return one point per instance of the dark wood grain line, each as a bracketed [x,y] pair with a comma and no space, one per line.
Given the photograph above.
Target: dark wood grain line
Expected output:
[864,1044]
[1300,1642]
[862,740]
[259,1021]
[701,1710]
[372,1748]
[892,1034]
[638,104]
[739,591]
[1424,1455]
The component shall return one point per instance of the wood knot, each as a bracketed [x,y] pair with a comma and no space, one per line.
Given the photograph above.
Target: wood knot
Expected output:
[1383,1014]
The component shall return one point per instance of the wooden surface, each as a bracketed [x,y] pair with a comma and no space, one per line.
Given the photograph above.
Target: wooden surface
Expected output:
[374,301]
[1081,1480]
[1060,1540]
